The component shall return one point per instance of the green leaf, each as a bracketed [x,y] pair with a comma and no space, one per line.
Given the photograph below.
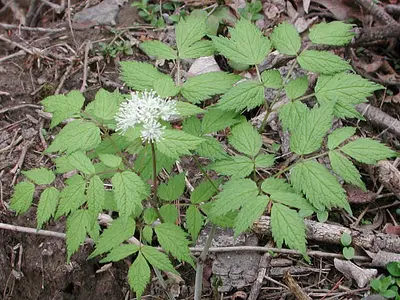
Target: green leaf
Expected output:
[297,87]
[176,143]
[105,105]
[139,275]
[288,227]
[22,197]
[77,225]
[109,201]
[198,49]
[96,195]
[204,191]
[348,252]
[119,231]
[147,234]
[192,125]
[188,31]
[62,106]
[345,169]
[165,87]
[291,114]
[322,216]
[40,175]
[272,79]
[323,62]
[81,162]
[120,252]
[139,76]
[173,189]
[110,160]
[63,165]
[150,215]
[158,49]
[236,166]
[234,194]
[394,268]
[275,185]
[291,199]
[185,109]
[143,163]
[339,135]
[72,196]
[202,87]
[247,44]
[308,135]
[47,206]
[129,191]
[194,221]
[319,185]
[211,149]
[77,135]
[246,139]
[249,213]
[344,89]
[158,259]
[345,239]
[215,120]
[173,240]
[245,95]
[286,39]
[169,213]
[334,33]
[111,145]
[367,151]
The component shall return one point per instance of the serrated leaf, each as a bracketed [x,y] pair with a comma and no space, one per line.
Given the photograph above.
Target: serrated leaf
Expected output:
[81,162]
[109,201]
[158,49]
[129,191]
[274,185]
[264,160]
[198,49]
[169,213]
[105,105]
[343,89]
[22,197]
[147,233]
[173,189]
[291,114]
[173,240]
[150,215]
[323,62]
[272,79]
[111,145]
[158,259]
[204,191]
[143,163]
[121,252]
[77,135]
[63,165]
[247,44]
[139,275]
[236,166]
[165,87]
[297,87]
[188,31]
[185,109]
[367,151]
[192,125]
[110,160]
[77,225]
[225,221]
[319,185]
[339,135]
[345,169]
[286,39]
[334,33]
[291,199]
[104,171]
[62,106]
[215,120]
[308,135]
[118,231]
[234,194]
[202,87]
[47,206]
[288,227]
[245,95]
[139,76]
[96,195]
[194,221]
[72,196]
[176,143]
[40,175]
[211,149]
[250,212]
[246,139]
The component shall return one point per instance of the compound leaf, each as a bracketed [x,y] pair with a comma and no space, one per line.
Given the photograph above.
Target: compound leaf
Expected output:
[249,213]
[198,49]
[158,49]
[236,166]
[144,167]
[40,175]
[158,259]
[286,39]
[139,275]
[296,87]
[47,205]
[291,199]
[81,162]
[204,191]
[95,194]
[173,189]
[77,226]
[334,33]
[188,31]
[194,221]
[139,76]
[216,119]
[105,105]
[169,213]
[110,160]
[211,148]
[22,197]
[264,160]
[120,252]
[323,62]
[291,114]
[272,79]
[275,185]
[176,143]
[246,139]
[185,109]
[339,135]
[72,196]
[165,87]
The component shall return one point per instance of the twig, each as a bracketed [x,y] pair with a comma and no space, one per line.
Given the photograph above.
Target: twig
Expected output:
[294,287]
[39,29]
[63,78]
[13,143]
[17,11]
[4,110]
[15,44]
[85,66]
[70,22]
[58,8]
[377,11]
[16,54]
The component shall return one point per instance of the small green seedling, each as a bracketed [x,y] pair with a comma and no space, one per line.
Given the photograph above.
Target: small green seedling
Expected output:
[251,11]
[115,48]
[348,252]
[388,286]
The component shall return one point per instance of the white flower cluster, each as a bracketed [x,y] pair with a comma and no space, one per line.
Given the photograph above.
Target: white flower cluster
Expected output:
[145,109]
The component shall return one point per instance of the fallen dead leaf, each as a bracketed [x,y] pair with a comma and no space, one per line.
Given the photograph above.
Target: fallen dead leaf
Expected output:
[392,229]
[341,9]
[357,195]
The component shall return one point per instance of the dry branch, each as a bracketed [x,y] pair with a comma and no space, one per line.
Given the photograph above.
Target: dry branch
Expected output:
[377,11]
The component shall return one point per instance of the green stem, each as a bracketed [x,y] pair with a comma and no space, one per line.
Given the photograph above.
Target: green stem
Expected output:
[258,74]
[304,97]
[178,72]
[153,200]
